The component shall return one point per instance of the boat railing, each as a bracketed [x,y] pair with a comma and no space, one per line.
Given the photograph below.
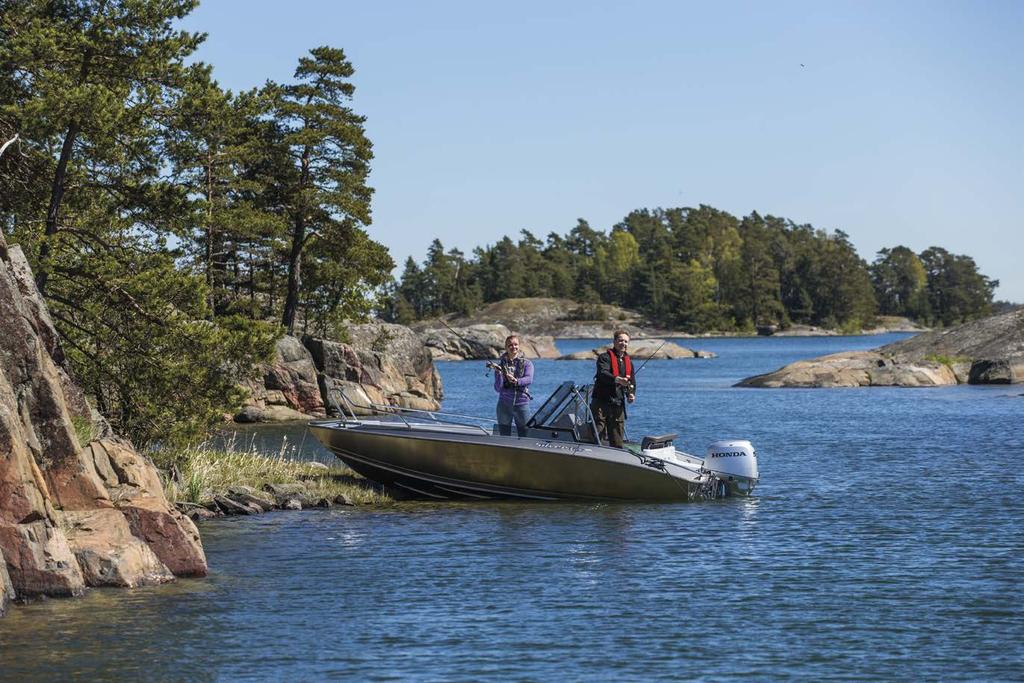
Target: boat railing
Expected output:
[400,412]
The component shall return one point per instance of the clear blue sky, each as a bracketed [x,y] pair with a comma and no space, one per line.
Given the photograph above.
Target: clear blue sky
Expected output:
[896,122]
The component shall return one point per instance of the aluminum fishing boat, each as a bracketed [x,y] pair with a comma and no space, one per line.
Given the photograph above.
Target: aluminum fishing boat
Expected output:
[441,455]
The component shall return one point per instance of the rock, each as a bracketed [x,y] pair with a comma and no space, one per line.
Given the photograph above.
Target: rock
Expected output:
[63,524]
[39,560]
[645,349]
[342,499]
[278,490]
[384,364]
[805,331]
[6,589]
[74,397]
[324,503]
[854,369]
[987,351]
[291,504]
[109,554]
[551,317]
[482,342]
[230,507]
[138,494]
[199,514]
[270,413]
[294,375]
[478,342]
[245,495]
[1000,371]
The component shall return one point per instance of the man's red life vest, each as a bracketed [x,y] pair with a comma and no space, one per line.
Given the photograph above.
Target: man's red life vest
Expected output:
[615,364]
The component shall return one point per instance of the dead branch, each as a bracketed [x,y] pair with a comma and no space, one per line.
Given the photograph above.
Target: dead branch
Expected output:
[6,145]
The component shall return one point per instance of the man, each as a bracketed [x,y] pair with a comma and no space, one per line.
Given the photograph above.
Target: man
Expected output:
[614,386]
[513,376]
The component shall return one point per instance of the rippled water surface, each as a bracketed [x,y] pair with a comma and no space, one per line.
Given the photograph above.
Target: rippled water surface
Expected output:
[886,540]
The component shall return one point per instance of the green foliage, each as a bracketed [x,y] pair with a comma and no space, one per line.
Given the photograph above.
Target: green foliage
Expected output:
[83,429]
[702,269]
[381,340]
[324,161]
[957,292]
[203,471]
[141,346]
[165,218]
[949,361]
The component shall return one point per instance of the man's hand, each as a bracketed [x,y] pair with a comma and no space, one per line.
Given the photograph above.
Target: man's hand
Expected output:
[622,381]
[631,397]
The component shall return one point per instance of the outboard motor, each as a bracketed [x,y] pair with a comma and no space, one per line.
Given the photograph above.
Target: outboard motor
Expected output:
[735,463]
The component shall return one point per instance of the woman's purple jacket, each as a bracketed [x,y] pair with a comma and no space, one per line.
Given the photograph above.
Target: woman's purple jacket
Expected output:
[522,368]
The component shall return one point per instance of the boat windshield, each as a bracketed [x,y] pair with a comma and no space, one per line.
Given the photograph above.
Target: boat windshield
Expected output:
[567,410]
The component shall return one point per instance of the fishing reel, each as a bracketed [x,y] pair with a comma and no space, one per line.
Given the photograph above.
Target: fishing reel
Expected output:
[491,365]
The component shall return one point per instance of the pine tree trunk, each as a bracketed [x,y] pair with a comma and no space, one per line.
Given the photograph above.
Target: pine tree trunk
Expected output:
[53,212]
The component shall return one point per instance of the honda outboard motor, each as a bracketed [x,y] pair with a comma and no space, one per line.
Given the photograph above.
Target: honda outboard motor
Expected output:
[734,461]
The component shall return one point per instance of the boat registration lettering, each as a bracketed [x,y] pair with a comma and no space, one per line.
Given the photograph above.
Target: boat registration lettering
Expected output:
[561,446]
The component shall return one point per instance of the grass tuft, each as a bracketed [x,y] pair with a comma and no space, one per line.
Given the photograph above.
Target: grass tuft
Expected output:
[949,361]
[195,474]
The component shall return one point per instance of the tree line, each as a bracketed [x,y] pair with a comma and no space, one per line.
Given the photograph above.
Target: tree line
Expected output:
[701,269]
[176,228]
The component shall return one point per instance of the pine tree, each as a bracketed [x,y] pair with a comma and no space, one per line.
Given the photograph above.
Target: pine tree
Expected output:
[324,191]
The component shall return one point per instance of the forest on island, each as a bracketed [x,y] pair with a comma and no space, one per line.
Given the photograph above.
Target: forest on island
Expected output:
[698,270]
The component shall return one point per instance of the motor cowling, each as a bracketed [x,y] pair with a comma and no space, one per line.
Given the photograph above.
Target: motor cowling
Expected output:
[732,458]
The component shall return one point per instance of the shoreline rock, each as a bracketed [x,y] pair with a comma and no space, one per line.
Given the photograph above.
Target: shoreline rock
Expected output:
[245,500]
[71,516]
[384,364]
[987,351]
[483,342]
[645,349]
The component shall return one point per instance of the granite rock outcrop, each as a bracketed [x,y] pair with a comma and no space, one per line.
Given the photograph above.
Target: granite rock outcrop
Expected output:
[65,509]
[986,351]
[381,363]
[483,342]
[645,349]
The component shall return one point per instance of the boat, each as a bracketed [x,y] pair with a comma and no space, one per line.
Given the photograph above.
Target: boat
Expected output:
[561,457]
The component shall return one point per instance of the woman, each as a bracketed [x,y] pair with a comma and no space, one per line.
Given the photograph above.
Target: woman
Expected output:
[512,379]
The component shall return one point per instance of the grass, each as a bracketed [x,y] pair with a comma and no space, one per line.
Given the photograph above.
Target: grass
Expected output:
[205,471]
[948,361]
[83,430]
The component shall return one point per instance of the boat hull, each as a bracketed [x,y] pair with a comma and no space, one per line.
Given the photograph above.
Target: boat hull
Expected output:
[446,465]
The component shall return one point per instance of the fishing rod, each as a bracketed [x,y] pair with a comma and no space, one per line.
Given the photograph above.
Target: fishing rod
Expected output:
[665,341]
[489,365]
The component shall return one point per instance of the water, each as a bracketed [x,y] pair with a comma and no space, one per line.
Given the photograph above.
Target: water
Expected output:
[885,541]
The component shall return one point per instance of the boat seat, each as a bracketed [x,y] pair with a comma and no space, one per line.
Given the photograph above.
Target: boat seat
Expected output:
[659,441]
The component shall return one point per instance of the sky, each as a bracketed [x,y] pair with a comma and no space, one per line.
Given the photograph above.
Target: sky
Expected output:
[899,123]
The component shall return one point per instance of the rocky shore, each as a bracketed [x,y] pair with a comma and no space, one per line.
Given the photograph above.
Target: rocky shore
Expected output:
[382,363]
[72,514]
[987,351]
[645,349]
[482,341]
[551,318]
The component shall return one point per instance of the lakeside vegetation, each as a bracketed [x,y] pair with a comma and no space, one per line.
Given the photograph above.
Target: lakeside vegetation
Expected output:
[197,474]
[702,269]
[175,228]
